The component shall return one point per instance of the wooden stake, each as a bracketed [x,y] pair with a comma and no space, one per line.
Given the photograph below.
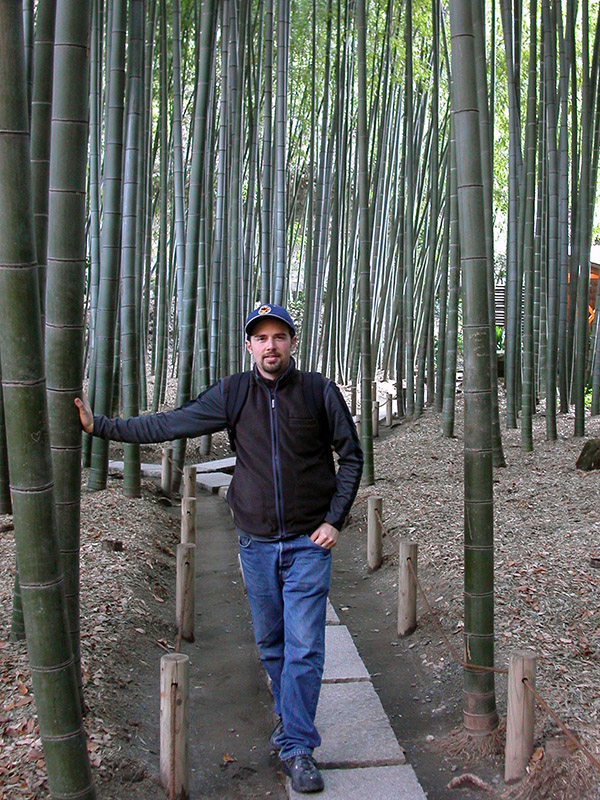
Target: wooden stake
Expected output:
[388,411]
[174,750]
[353,400]
[189,481]
[166,470]
[188,520]
[520,714]
[375,418]
[407,588]
[374,533]
[358,425]
[184,594]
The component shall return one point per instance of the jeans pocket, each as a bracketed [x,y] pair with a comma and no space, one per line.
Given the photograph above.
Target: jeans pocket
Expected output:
[244,541]
[318,546]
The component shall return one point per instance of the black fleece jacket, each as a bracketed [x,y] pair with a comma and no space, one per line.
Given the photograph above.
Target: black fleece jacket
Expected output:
[285,483]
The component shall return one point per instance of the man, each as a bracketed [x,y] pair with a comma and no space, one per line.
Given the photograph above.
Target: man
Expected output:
[289,505]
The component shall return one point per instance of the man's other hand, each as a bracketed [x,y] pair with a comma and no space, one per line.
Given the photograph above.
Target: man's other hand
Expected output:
[326,536]
[85,413]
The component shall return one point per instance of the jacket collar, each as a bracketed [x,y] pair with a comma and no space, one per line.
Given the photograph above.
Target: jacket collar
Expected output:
[281,380]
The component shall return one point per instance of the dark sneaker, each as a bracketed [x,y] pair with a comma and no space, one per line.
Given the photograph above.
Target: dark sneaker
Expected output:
[275,738]
[304,774]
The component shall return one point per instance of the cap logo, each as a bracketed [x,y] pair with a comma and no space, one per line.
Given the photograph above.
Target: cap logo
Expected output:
[264,310]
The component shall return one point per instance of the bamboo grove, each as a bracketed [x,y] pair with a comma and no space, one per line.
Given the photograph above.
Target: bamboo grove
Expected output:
[377,166]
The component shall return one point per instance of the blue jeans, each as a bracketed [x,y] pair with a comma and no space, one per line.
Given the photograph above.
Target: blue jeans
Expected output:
[287,583]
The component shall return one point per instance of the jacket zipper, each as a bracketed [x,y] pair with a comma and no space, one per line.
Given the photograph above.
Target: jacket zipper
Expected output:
[276,464]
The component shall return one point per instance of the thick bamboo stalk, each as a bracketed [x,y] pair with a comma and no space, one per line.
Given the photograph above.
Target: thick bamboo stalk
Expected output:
[374,533]
[480,715]
[27,431]
[110,237]
[407,588]
[520,714]
[174,748]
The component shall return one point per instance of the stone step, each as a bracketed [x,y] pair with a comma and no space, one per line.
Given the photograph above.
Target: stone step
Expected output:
[342,661]
[354,728]
[397,782]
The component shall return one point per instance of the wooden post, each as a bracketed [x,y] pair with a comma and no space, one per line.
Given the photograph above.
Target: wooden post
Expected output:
[358,426]
[174,750]
[353,400]
[184,593]
[188,520]
[374,533]
[166,474]
[375,418]
[407,588]
[388,411]
[520,714]
[373,390]
[189,481]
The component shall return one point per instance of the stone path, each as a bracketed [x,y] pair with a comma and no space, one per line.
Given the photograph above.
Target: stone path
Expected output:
[359,755]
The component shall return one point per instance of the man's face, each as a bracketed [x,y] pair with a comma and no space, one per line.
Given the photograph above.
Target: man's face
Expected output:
[271,345]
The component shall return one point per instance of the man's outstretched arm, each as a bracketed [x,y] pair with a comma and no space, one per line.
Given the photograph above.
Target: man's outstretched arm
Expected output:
[205,414]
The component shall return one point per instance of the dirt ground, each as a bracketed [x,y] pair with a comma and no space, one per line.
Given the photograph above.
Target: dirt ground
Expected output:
[547,528]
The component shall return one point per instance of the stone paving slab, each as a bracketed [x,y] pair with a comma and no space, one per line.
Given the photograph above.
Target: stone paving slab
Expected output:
[354,728]
[146,470]
[213,481]
[216,466]
[342,661]
[332,618]
[368,783]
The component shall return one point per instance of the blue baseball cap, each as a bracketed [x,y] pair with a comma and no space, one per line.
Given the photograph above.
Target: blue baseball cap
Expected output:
[265,311]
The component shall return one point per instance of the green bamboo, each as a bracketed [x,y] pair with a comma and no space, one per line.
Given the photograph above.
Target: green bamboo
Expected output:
[409,266]
[194,281]
[160,309]
[235,195]
[281,122]
[110,242]
[130,301]
[479,709]
[449,402]
[553,251]
[582,331]
[364,251]
[40,130]
[27,428]
[512,270]
[5,504]
[66,285]
[528,388]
